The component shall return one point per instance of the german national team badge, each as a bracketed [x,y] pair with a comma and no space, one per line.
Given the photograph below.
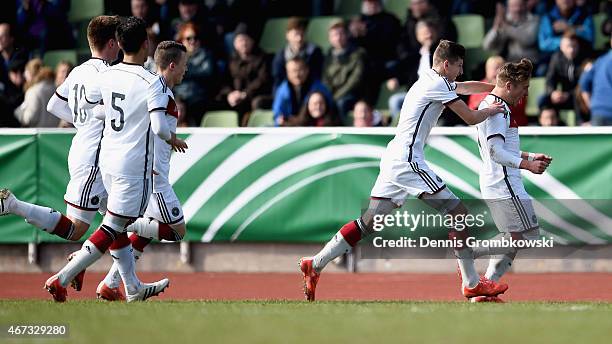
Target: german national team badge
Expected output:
[95,200]
[175,211]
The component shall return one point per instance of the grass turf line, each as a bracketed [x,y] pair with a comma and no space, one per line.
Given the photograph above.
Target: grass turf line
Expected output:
[321,322]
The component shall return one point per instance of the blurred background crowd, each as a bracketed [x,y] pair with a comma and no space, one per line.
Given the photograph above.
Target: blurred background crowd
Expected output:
[321,62]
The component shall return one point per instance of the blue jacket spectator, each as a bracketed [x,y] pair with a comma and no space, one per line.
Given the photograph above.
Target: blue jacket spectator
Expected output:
[564,16]
[596,85]
[293,92]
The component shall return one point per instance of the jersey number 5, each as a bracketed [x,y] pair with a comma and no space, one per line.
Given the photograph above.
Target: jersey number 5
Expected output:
[119,110]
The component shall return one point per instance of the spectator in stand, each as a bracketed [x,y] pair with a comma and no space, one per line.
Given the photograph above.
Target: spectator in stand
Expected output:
[247,84]
[565,15]
[62,70]
[344,69]
[142,9]
[291,94]
[200,78]
[606,26]
[9,51]
[11,94]
[514,34]
[412,65]
[194,11]
[44,24]
[549,117]
[491,68]
[423,10]
[297,47]
[377,32]
[39,87]
[365,116]
[596,85]
[316,112]
[564,71]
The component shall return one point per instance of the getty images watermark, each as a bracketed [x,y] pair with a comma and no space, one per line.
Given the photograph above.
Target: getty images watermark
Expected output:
[476,224]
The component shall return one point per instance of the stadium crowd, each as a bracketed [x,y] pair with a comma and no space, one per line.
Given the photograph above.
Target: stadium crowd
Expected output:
[357,74]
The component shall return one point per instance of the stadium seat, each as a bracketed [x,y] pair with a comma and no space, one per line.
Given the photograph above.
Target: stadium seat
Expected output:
[347,8]
[398,7]
[84,10]
[261,118]
[53,57]
[273,35]
[316,32]
[537,87]
[601,42]
[470,30]
[475,58]
[569,117]
[227,119]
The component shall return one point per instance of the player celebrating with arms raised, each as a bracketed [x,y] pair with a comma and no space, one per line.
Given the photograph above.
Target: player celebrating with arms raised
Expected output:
[404,172]
[500,178]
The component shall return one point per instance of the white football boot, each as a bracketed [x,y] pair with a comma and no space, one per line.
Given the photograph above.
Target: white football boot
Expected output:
[148,290]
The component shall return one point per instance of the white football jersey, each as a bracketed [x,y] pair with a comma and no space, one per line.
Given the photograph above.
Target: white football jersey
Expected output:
[129,93]
[163,150]
[497,181]
[421,109]
[85,147]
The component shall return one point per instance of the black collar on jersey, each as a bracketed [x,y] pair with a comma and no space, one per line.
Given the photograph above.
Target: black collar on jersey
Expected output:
[131,64]
[99,58]
[500,98]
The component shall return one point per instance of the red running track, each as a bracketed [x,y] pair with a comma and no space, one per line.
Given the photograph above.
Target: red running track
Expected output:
[333,286]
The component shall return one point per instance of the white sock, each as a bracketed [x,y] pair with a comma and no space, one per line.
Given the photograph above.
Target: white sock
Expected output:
[498,266]
[113,277]
[146,228]
[124,258]
[42,217]
[470,277]
[336,247]
[86,256]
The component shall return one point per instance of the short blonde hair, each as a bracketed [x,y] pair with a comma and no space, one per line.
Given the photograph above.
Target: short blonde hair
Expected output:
[515,72]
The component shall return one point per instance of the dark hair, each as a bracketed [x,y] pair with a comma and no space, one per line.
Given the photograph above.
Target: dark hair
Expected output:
[100,30]
[515,72]
[571,34]
[304,119]
[448,50]
[297,59]
[167,52]
[296,23]
[131,34]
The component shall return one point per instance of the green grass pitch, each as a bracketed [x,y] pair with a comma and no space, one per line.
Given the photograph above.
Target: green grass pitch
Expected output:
[321,322]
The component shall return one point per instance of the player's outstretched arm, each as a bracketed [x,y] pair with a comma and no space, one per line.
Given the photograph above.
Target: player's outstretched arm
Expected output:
[473,117]
[473,87]
[59,108]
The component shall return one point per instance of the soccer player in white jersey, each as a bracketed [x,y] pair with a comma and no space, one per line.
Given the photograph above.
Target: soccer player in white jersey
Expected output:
[163,218]
[133,101]
[403,171]
[500,178]
[85,192]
